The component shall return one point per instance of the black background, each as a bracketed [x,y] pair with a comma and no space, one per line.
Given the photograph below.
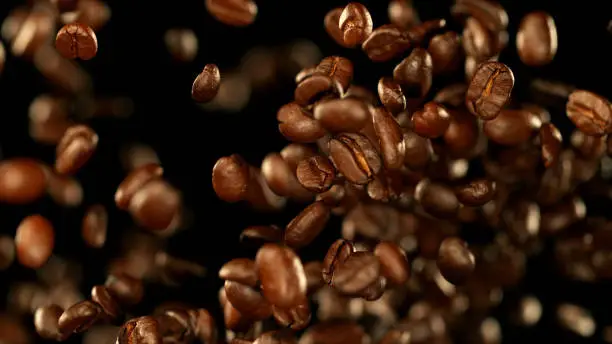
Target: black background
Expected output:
[133,62]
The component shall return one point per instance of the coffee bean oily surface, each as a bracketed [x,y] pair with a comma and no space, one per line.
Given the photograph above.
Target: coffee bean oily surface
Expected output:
[206,85]
[489,90]
[77,40]
[590,112]
[356,24]
[282,277]
[316,173]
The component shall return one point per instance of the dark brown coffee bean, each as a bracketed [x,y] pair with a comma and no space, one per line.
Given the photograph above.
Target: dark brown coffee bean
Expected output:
[432,121]
[127,290]
[241,270]
[316,87]
[203,325]
[375,290]
[34,241]
[232,318]
[476,193]
[75,148]
[337,67]
[7,251]
[143,330]
[386,43]
[355,23]
[490,13]
[174,326]
[230,178]
[281,179]
[489,90]
[445,52]
[335,332]
[256,236]
[462,134]
[46,322]
[536,39]
[79,317]
[305,227]
[332,26]
[206,85]
[552,143]
[173,271]
[22,181]
[591,113]
[414,73]
[512,127]
[297,125]
[356,273]
[134,182]
[477,41]
[390,138]
[77,40]
[354,157]
[419,151]
[393,262]
[95,223]
[452,96]
[391,95]
[276,337]
[296,318]
[342,115]
[421,33]
[102,297]
[247,300]
[403,14]
[333,196]
[156,205]
[282,277]
[238,13]
[316,174]
[437,199]
[455,261]
[337,253]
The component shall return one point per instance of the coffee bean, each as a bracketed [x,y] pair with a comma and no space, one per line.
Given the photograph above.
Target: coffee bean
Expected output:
[77,40]
[95,223]
[489,90]
[333,196]
[512,127]
[46,322]
[418,151]
[259,194]
[437,199]
[335,332]
[75,148]
[338,252]
[281,179]
[305,227]
[354,157]
[445,52]
[393,262]
[127,290]
[276,337]
[282,277]
[256,236]
[432,121]
[203,325]
[462,134]
[551,141]
[332,26]
[316,174]
[402,14]
[7,251]
[135,181]
[490,13]
[232,318]
[230,178]
[315,88]
[182,44]
[342,115]
[296,318]
[143,330]
[22,181]
[338,68]
[238,13]
[247,300]
[361,93]
[101,296]
[2,57]
[79,317]
[174,326]
[156,205]
[421,34]
[375,290]
[386,43]
[476,193]
[241,270]
[304,73]
[390,138]
[414,73]
[478,42]
[356,24]
[455,261]
[589,147]
[391,95]
[297,125]
[34,241]
[206,85]
[314,278]
[356,273]
[590,113]
[536,39]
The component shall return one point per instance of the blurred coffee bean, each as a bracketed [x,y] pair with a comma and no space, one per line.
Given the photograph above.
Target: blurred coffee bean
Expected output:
[394,264]
[235,12]
[126,289]
[386,43]
[455,261]
[79,318]
[46,322]
[7,251]
[34,241]
[94,227]
[75,148]
[22,180]
[182,44]
[590,112]
[476,193]
[307,225]
[536,40]
[256,236]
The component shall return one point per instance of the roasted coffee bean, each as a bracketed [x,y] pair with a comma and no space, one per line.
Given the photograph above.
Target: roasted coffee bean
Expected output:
[46,322]
[316,87]
[375,290]
[232,318]
[512,127]
[452,96]
[589,147]
[551,141]
[335,332]
[332,26]
[437,199]
[333,196]
[591,113]
[490,13]
[391,95]
[476,193]
[79,317]
[445,52]
[355,23]
[354,157]
[22,181]
[182,44]
[297,125]
[258,235]
[134,181]
[126,289]
[296,318]
[419,151]
[390,138]
[316,174]
[432,121]
[281,179]
[402,14]
[75,148]
[156,205]
[276,337]
[304,73]
[143,330]
[206,85]
[34,241]
[282,277]
[414,73]
[455,261]
[489,90]
[173,271]
[95,223]
[7,251]
[247,300]
[393,262]
[174,327]
[314,278]
[101,296]
[203,325]
[342,115]
[233,12]
[241,270]
[386,43]
[536,39]
[338,68]
[356,273]
[77,40]
[477,41]
[462,134]
[305,227]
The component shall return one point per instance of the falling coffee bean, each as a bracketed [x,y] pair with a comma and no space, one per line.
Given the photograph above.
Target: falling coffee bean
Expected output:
[206,85]
[77,40]
[489,90]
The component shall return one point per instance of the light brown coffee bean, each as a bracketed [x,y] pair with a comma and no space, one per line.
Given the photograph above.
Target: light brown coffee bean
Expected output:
[75,148]
[283,281]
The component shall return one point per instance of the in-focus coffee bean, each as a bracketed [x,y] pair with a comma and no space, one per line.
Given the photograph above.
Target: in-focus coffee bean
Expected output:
[77,40]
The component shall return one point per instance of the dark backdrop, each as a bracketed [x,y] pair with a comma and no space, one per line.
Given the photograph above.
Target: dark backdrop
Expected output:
[133,62]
